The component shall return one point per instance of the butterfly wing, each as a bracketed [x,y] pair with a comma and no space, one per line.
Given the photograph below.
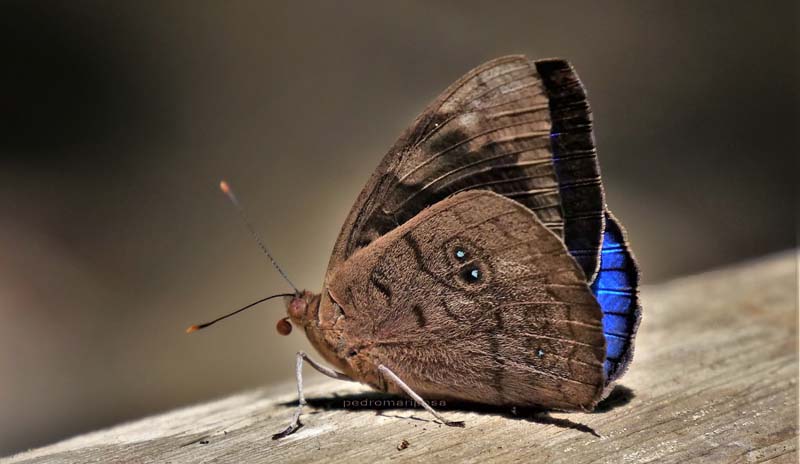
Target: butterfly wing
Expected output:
[617,290]
[476,299]
[519,128]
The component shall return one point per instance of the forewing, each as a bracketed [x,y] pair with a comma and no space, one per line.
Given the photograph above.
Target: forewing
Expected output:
[525,329]
[512,126]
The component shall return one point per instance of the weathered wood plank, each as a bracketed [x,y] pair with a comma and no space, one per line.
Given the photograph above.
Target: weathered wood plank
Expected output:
[714,380]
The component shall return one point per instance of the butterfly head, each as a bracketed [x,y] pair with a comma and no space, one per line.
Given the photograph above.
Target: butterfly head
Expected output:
[301,309]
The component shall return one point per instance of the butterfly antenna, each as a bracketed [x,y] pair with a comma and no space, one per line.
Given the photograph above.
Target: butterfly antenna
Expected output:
[226,189]
[195,328]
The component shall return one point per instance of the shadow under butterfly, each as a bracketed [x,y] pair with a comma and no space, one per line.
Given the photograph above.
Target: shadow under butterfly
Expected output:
[480,263]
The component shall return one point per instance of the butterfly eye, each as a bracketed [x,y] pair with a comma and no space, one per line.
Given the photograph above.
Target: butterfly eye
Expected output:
[471,274]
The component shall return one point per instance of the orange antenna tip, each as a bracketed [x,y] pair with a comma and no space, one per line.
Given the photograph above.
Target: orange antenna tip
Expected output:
[192,328]
[226,189]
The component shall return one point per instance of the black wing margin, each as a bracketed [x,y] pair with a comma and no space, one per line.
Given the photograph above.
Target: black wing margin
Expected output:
[576,165]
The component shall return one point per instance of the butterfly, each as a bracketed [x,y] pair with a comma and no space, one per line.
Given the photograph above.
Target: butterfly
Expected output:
[480,262]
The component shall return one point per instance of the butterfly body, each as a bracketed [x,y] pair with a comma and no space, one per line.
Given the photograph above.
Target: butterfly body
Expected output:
[480,262]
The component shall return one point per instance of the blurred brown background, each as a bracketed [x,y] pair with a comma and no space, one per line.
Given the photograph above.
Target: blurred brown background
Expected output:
[119,119]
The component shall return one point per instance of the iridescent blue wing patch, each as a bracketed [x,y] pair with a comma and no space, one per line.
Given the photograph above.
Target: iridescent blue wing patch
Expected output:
[616,289]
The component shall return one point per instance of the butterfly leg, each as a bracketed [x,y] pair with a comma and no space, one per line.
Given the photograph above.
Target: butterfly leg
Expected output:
[302,356]
[387,372]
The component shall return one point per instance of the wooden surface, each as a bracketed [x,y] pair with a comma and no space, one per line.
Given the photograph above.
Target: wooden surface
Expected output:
[714,379]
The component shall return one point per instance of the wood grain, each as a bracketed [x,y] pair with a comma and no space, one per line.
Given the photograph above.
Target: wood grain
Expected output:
[714,379]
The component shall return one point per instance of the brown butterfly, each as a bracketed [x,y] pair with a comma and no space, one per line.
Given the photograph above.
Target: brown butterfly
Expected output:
[480,262]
